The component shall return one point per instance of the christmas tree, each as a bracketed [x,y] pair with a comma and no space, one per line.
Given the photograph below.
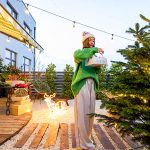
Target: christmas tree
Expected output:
[128,93]
[103,77]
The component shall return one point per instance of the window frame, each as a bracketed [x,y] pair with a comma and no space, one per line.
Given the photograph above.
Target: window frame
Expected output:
[26,65]
[11,59]
[13,12]
[26,26]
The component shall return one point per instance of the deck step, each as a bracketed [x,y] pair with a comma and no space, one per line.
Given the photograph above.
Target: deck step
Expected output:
[3,137]
[11,125]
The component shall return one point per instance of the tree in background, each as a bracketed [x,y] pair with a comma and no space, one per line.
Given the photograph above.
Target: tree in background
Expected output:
[1,64]
[66,89]
[129,88]
[2,68]
[50,77]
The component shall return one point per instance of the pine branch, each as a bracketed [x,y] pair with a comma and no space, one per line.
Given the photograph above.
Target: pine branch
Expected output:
[144,18]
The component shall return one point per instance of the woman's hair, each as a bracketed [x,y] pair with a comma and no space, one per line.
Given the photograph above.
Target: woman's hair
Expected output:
[86,43]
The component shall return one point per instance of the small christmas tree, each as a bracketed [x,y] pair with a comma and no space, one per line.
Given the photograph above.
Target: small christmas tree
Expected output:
[128,95]
[66,89]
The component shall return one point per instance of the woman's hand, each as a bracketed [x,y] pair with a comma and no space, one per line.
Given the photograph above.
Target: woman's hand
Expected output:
[100,50]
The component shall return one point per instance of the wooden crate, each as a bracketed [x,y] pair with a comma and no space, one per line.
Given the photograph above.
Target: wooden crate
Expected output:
[14,98]
[3,101]
[20,109]
[21,102]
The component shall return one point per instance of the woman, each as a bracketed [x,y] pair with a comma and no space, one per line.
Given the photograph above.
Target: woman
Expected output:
[84,84]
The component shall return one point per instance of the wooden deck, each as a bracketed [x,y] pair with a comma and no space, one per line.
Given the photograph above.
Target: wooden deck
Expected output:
[11,125]
[60,135]
[104,138]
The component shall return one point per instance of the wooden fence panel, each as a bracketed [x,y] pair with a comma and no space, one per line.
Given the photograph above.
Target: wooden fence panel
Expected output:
[58,81]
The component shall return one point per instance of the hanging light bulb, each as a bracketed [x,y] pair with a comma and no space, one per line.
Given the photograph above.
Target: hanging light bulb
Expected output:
[8,39]
[112,37]
[32,47]
[27,9]
[74,24]
[28,46]
[21,38]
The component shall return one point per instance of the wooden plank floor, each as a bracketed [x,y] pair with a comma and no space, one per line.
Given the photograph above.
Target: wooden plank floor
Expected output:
[39,136]
[109,138]
[103,138]
[11,125]
[26,136]
[73,139]
[64,142]
[115,138]
[52,136]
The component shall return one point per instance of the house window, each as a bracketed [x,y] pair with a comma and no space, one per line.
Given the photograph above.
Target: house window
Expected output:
[12,11]
[10,58]
[27,28]
[26,64]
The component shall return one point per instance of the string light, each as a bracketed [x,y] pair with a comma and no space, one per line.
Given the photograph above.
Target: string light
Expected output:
[75,21]
[27,45]
[8,39]
[74,24]
[32,47]
[21,38]
[27,9]
[112,37]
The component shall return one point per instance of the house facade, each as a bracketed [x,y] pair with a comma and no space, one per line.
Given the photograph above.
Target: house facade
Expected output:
[13,51]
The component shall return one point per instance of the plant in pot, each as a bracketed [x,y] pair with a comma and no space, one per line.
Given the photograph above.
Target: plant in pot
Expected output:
[2,79]
[41,87]
[11,75]
[3,67]
[23,77]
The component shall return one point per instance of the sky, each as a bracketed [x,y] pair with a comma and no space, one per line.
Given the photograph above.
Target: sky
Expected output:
[60,39]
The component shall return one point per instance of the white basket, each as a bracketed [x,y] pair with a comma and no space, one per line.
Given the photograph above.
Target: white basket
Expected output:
[96,61]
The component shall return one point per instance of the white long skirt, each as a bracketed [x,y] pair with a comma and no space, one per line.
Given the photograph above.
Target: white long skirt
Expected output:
[84,104]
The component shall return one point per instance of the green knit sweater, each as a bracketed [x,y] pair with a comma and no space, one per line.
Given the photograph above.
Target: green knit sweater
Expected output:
[83,72]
